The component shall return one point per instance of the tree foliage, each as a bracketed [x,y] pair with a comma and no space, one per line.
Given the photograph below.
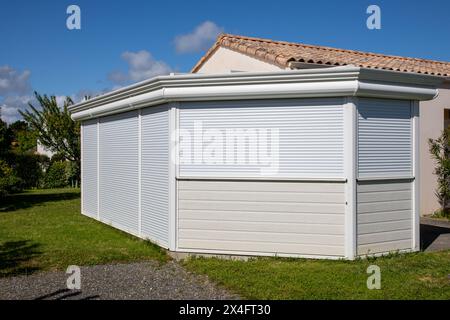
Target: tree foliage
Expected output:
[20,167]
[9,182]
[55,176]
[52,125]
[23,136]
[440,152]
[5,137]
[55,128]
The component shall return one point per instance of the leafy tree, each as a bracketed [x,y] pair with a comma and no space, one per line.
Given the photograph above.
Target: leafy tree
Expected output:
[24,137]
[19,168]
[18,125]
[26,141]
[9,182]
[440,152]
[55,128]
[71,174]
[5,137]
[30,168]
[56,177]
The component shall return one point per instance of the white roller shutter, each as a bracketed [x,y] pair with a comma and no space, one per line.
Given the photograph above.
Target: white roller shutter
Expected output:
[118,152]
[89,167]
[384,138]
[155,174]
[310,133]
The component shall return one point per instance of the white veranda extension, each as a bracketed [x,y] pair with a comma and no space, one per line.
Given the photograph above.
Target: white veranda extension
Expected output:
[311,163]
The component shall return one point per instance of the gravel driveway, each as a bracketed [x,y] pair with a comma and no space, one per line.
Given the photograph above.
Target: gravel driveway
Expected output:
[146,280]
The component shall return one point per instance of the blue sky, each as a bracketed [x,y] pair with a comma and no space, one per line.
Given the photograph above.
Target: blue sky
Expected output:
[118,39]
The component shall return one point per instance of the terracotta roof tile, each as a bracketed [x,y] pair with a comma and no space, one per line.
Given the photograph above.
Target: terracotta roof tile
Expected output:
[281,53]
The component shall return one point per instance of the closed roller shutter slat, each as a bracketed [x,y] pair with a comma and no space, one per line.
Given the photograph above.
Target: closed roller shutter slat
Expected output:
[118,150]
[89,167]
[155,174]
[310,136]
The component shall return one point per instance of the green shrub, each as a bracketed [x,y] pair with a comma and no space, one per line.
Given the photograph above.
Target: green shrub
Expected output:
[30,168]
[441,214]
[9,182]
[55,176]
[440,152]
[72,174]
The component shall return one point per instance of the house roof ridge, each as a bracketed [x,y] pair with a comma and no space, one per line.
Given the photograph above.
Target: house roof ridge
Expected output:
[300,44]
[281,53]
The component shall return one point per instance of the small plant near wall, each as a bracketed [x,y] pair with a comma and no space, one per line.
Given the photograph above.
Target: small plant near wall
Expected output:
[440,152]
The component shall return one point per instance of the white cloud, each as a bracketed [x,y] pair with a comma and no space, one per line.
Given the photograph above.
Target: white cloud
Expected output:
[141,65]
[10,106]
[13,81]
[15,92]
[198,40]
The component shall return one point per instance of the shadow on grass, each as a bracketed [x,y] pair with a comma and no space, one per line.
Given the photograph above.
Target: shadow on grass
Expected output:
[429,233]
[15,254]
[26,200]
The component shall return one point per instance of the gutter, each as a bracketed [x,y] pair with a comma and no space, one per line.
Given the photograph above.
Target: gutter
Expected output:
[217,79]
[309,83]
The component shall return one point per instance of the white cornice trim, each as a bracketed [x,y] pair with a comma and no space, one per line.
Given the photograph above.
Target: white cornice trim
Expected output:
[330,82]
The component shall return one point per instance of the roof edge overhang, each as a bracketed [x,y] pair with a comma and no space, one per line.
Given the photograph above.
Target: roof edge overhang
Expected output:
[329,82]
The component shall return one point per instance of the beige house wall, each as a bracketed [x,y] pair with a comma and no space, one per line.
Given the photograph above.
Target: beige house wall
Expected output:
[431,116]
[431,126]
[225,61]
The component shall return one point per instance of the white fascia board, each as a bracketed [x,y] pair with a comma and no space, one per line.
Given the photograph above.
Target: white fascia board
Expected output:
[399,77]
[214,93]
[395,91]
[330,82]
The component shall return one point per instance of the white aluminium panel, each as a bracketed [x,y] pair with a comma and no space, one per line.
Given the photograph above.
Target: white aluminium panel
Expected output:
[309,138]
[118,165]
[262,217]
[384,216]
[89,167]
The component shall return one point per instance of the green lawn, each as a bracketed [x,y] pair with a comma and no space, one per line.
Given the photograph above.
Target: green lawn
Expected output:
[406,276]
[44,230]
